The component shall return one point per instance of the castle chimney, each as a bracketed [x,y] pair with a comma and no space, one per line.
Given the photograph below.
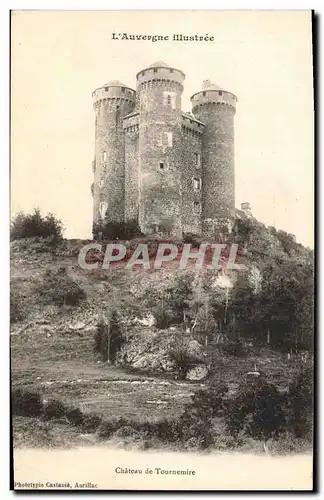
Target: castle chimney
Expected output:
[206,84]
[246,206]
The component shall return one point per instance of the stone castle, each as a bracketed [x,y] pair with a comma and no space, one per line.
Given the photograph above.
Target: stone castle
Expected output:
[167,170]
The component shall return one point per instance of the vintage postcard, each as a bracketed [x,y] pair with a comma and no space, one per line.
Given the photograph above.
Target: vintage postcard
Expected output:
[162,250]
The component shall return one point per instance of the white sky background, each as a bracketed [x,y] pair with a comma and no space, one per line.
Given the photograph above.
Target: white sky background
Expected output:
[264,57]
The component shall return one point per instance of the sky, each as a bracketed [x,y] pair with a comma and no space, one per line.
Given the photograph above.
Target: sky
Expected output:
[264,57]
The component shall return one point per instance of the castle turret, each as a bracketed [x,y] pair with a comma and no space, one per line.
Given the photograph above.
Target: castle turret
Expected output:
[112,103]
[246,208]
[160,87]
[216,107]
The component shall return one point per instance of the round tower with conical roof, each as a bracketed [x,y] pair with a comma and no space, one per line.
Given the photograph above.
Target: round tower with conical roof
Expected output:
[216,107]
[159,89]
[112,102]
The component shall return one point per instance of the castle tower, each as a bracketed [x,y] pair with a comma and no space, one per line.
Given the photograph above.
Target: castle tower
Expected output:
[111,102]
[159,150]
[216,107]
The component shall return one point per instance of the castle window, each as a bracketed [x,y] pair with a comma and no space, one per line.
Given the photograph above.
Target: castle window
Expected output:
[155,71]
[220,92]
[168,139]
[103,209]
[161,165]
[171,70]
[197,160]
[123,89]
[104,156]
[197,207]
[106,89]
[169,99]
[204,93]
[197,184]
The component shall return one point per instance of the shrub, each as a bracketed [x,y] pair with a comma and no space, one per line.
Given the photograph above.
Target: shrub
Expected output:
[116,230]
[288,444]
[195,443]
[235,348]
[193,239]
[183,360]
[54,409]
[196,427]
[163,318]
[75,416]
[128,432]
[34,224]
[59,289]
[196,420]
[91,423]
[208,401]
[257,410]
[107,428]
[25,403]
[167,430]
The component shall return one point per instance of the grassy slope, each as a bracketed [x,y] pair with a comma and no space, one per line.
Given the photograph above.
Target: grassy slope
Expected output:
[52,347]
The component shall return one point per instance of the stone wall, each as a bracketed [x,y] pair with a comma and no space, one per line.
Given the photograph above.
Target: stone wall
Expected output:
[131,170]
[160,141]
[218,193]
[171,171]
[111,104]
[191,173]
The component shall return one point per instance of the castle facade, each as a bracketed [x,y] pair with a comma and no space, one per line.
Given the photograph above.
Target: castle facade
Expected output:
[168,170]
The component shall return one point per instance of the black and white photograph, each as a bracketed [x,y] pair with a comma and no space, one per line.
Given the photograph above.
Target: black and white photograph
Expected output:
[162,250]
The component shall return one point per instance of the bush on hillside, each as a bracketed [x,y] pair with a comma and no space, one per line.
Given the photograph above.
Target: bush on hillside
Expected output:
[35,225]
[196,420]
[163,318]
[183,360]
[26,403]
[257,410]
[74,416]
[53,409]
[192,239]
[59,289]
[116,230]
[234,348]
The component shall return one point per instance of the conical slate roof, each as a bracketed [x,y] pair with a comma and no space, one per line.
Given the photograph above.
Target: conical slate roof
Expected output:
[115,83]
[208,85]
[159,64]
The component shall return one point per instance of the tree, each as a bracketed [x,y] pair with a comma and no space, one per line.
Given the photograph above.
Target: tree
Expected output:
[273,303]
[35,225]
[208,307]
[286,302]
[108,337]
[257,410]
[168,300]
